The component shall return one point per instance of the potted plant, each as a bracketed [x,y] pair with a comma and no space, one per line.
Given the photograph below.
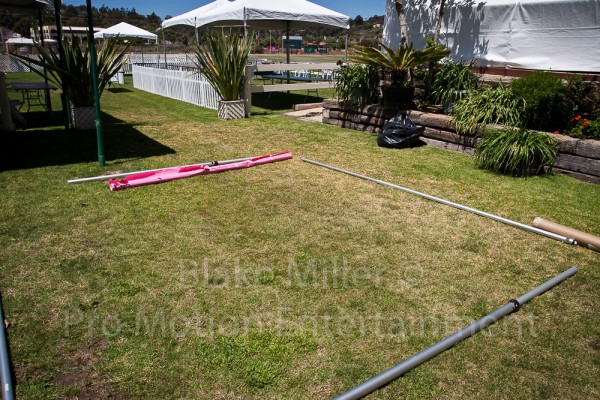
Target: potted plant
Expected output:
[73,74]
[396,67]
[223,62]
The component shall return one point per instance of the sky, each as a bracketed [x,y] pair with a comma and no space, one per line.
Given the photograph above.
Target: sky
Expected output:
[162,8]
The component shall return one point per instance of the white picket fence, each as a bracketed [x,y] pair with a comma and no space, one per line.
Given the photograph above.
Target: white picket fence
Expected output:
[10,64]
[156,59]
[186,86]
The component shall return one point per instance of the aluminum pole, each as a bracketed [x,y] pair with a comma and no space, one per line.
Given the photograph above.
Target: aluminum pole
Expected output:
[7,386]
[432,351]
[119,175]
[450,203]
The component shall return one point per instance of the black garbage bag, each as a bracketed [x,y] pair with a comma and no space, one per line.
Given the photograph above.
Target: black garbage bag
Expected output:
[399,132]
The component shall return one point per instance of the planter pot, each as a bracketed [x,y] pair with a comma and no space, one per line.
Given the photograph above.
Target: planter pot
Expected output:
[398,98]
[231,109]
[83,118]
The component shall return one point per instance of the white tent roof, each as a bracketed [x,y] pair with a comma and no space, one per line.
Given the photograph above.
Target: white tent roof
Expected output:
[124,30]
[261,13]
[560,35]
[27,6]
[190,17]
[26,41]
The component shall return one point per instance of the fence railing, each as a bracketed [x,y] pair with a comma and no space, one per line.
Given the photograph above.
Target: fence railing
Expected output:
[186,86]
[10,64]
[157,59]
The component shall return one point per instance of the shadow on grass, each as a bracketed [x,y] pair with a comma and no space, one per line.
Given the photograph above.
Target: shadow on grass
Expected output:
[42,147]
[278,101]
[119,90]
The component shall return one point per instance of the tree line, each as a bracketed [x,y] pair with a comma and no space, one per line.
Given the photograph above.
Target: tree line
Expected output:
[363,31]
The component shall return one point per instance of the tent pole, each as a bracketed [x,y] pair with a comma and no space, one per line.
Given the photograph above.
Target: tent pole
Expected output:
[287,33]
[287,53]
[106,177]
[443,345]
[61,52]
[346,50]
[165,48]
[449,203]
[41,27]
[196,31]
[92,48]
[6,379]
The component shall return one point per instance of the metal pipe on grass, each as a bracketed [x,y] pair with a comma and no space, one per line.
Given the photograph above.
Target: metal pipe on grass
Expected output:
[441,346]
[7,386]
[122,174]
[450,203]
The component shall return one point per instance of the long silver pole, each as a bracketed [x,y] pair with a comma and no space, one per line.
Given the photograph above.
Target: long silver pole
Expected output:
[7,386]
[450,203]
[119,175]
[427,354]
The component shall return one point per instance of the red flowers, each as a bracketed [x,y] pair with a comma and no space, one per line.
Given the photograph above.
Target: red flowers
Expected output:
[585,123]
[556,132]
[576,118]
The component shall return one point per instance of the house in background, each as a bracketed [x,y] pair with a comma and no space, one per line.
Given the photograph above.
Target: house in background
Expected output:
[49,32]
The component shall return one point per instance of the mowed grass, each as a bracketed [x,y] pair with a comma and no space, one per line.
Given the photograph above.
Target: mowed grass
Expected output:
[284,281]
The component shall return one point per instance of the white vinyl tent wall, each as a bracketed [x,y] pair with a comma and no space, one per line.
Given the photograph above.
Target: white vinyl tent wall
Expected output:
[559,35]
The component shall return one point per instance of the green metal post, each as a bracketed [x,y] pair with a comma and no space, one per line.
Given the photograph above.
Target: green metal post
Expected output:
[95,83]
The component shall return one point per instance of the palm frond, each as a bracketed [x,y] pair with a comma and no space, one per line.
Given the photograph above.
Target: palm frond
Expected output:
[73,72]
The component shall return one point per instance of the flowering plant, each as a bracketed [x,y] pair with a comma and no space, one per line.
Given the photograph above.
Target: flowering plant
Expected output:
[580,127]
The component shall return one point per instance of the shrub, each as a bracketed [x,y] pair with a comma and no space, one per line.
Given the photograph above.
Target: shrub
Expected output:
[516,152]
[580,95]
[358,85]
[452,82]
[547,107]
[491,105]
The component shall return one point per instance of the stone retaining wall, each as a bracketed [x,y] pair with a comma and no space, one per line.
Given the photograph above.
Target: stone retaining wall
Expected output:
[577,157]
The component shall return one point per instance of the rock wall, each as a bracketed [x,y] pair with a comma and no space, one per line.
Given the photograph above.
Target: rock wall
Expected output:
[578,158]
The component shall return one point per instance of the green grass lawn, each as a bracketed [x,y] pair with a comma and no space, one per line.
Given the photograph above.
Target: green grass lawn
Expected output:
[284,281]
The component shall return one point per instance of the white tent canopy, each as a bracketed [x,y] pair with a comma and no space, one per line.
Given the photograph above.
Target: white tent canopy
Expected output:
[124,30]
[561,35]
[275,14]
[26,6]
[26,41]
[190,17]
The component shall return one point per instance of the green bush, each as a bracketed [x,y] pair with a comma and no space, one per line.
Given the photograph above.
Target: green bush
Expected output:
[581,96]
[491,105]
[516,152]
[547,107]
[452,82]
[358,85]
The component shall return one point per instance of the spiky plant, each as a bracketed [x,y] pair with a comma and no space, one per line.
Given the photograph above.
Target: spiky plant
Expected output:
[400,62]
[73,73]
[490,105]
[453,81]
[517,152]
[358,85]
[222,60]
